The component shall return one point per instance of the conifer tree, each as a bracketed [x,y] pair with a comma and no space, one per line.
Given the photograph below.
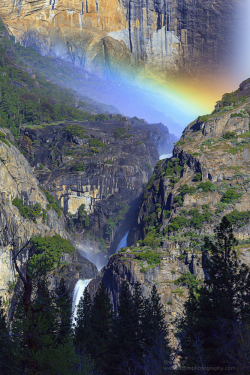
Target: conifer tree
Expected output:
[126,349]
[8,360]
[64,305]
[99,344]
[37,336]
[212,310]
[82,329]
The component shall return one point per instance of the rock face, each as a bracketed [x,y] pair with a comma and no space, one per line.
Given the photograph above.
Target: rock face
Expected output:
[105,177]
[18,181]
[117,35]
[185,199]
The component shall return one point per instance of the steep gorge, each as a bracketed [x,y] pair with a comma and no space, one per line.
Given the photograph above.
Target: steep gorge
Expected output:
[102,165]
[186,197]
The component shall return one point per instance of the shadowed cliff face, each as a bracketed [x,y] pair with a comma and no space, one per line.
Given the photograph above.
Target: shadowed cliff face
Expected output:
[113,36]
[105,168]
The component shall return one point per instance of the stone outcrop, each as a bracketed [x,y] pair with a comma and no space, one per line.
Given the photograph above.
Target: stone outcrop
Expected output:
[119,35]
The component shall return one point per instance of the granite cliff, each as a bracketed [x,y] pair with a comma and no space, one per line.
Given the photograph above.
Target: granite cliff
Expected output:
[102,165]
[186,197]
[119,35]
[17,182]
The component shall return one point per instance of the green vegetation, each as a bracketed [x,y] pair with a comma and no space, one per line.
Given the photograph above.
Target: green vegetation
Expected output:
[173,168]
[75,130]
[240,114]
[204,118]
[188,279]
[238,219]
[208,142]
[229,135]
[183,190]
[77,167]
[95,150]
[25,100]
[133,333]
[150,257]
[119,132]
[223,297]
[230,196]
[197,177]
[206,186]
[30,212]
[3,139]
[48,252]
[54,204]
[83,219]
[192,218]
[93,142]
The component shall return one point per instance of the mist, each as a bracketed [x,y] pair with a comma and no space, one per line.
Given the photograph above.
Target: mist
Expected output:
[240,60]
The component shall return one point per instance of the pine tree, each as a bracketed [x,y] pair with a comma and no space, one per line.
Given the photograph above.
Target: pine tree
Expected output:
[101,337]
[8,360]
[37,336]
[126,347]
[82,329]
[211,311]
[157,352]
[138,310]
[64,305]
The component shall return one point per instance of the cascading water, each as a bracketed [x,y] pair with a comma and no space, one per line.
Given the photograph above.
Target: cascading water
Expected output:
[77,294]
[123,242]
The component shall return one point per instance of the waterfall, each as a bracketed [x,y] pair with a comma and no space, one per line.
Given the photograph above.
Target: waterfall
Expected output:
[165,156]
[123,242]
[77,294]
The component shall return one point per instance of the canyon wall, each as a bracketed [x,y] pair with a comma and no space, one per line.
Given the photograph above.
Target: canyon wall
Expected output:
[110,37]
[18,181]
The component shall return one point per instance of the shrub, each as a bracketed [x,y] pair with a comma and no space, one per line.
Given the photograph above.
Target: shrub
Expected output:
[229,135]
[29,212]
[77,167]
[197,177]
[54,204]
[238,218]
[93,142]
[119,132]
[230,196]
[189,280]
[166,214]
[2,138]
[75,130]
[150,257]
[206,186]
[41,167]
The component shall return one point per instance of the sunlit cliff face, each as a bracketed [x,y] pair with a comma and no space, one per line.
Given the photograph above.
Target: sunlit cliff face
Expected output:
[178,50]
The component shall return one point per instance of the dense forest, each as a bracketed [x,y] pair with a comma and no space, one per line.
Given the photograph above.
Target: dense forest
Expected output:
[213,335]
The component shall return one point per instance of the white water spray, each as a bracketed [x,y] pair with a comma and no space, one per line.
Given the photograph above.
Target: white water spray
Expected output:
[123,243]
[165,156]
[77,294]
